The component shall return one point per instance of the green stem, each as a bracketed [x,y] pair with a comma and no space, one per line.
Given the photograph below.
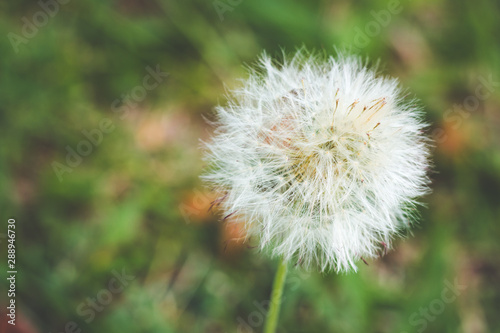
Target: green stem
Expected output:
[274,306]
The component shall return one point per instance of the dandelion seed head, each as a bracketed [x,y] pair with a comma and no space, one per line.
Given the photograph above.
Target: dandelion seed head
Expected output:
[322,159]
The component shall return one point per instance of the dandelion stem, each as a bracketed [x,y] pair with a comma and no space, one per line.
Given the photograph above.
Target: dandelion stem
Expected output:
[274,306]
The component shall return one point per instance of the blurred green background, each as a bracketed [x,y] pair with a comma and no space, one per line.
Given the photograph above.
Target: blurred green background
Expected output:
[131,204]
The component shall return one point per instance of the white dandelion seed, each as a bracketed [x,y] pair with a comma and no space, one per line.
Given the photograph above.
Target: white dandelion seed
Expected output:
[322,160]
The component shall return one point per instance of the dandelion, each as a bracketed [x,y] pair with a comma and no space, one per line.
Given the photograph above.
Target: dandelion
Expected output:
[321,159]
